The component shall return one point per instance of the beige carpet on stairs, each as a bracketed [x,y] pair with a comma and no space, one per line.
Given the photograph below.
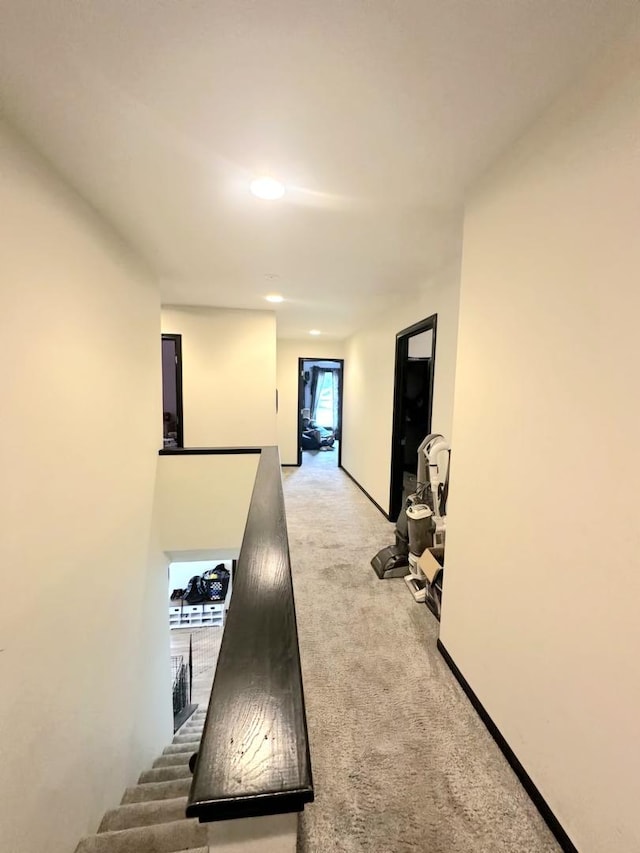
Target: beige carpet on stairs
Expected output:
[401,761]
[151,816]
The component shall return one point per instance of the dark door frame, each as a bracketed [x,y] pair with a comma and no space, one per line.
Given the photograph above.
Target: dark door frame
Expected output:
[397,448]
[177,339]
[301,361]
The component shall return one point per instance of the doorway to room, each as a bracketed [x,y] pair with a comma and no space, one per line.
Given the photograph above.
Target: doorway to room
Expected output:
[172,431]
[199,595]
[412,406]
[319,425]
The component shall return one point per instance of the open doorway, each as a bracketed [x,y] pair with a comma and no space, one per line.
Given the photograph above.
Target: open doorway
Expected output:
[172,391]
[320,411]
[412,406]
[199,595]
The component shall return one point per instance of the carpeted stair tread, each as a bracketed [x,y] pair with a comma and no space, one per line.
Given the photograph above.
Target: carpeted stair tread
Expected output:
[195,850]
[185,738]
[194,733]
[156,791]
[189,746]
[143,814]
[160,838]
[164,774]
[174,760]
[151,816]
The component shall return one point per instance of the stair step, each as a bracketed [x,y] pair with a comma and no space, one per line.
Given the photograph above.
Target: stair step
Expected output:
[174,760]
[194,734]
[143,814]
[161,838]
[188,730]
[185,738]
[190,735]
[189,746]
[165,774]
[156,791]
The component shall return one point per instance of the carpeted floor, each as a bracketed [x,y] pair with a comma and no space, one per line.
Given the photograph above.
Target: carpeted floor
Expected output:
[401,761]
[326,456]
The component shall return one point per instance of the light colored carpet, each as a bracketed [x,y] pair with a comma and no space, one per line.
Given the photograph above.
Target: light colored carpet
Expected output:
[324,456]
[151,815]
[401,761]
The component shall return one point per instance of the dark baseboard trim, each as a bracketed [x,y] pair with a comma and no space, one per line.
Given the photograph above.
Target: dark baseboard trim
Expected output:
[207,451]
[183,716]
[525,780]
[364,492]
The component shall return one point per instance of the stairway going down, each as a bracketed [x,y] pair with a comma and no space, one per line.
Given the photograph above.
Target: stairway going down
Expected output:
[151,815]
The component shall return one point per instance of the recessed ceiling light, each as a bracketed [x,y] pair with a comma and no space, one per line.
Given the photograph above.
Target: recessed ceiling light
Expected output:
[267,188]
[314,331]
[274,297]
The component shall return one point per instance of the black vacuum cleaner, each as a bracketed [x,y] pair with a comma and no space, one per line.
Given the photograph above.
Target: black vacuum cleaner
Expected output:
[393,561]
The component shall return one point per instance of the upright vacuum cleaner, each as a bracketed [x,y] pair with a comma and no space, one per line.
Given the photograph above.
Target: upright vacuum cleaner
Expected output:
[418,552]
[393,561]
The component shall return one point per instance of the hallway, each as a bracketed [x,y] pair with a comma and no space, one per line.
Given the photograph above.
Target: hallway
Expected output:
[401,761]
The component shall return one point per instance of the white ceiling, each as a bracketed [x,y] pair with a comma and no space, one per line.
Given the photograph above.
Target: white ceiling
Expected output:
[376,114]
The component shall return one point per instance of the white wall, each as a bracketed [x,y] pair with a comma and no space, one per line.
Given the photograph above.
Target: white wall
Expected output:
[202,502]
[542,587]
[228,374]
[289,351]
[368,394]
[84,656]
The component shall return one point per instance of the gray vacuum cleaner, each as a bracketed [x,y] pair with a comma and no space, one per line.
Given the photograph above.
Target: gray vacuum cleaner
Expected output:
[394,560]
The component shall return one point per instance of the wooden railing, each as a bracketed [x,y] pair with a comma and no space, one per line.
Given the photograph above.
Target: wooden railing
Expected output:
[254,755]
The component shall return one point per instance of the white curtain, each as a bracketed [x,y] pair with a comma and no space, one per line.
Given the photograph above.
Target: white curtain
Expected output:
[325,380]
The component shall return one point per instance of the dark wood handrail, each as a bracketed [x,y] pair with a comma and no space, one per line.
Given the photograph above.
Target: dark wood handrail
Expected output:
[254,755]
